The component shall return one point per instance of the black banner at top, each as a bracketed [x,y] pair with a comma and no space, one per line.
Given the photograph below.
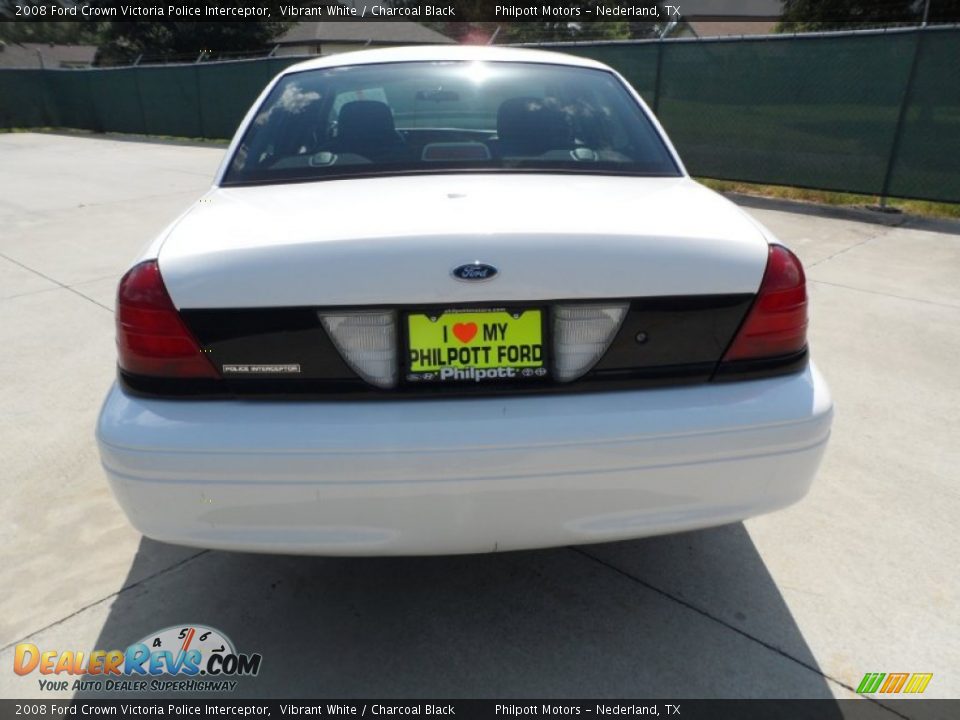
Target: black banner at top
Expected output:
[554,11]
[524,709]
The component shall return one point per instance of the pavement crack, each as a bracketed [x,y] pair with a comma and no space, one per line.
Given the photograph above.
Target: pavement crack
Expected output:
[855,245]
[720,621]
[156,196]
[125,588]
[87,297]
[884,294]
[54,281]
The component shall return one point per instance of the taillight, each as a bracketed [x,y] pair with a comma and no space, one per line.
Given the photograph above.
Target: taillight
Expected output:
[777,322]
[151,337]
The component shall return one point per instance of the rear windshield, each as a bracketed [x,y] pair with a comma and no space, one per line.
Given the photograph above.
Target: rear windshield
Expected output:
[418,117]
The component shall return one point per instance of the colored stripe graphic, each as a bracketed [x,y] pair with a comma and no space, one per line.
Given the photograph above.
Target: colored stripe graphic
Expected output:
[918,682]
[870,683]
[894,683]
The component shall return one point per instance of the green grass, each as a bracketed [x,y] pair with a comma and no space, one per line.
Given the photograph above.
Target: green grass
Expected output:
[924,208]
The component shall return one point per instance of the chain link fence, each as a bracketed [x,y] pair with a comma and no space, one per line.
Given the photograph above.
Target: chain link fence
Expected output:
[872,112]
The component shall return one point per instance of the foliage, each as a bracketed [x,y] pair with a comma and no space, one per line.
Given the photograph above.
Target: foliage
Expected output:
[66,33]
[125,41]
[122,42]
[30,31]
[819,15]
[476,31]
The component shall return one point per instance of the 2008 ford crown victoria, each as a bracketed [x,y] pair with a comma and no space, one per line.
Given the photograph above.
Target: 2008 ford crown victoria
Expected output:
[451,300]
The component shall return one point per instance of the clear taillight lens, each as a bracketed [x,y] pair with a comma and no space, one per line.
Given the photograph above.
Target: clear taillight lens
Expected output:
[581,335]
[151,338]
[367,340]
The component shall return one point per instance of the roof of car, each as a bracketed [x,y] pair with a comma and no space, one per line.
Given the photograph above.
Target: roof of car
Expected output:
[430,53]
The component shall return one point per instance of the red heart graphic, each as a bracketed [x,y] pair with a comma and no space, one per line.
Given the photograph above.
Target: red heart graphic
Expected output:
[465,332]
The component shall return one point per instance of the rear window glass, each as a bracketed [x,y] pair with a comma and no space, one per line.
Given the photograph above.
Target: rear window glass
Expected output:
[435,117]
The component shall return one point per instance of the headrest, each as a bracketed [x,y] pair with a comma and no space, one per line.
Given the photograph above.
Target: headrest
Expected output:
[531,126]
[368,121]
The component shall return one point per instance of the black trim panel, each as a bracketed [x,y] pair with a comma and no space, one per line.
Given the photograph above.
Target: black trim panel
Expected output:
[269,336]
[663,341]
[678,331]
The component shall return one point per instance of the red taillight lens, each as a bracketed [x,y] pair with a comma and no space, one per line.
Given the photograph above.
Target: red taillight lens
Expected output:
[777,322]
[151,337]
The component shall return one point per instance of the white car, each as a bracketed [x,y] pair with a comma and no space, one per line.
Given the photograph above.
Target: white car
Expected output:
[453,300]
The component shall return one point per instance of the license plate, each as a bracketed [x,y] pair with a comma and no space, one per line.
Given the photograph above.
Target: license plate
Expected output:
[475,346]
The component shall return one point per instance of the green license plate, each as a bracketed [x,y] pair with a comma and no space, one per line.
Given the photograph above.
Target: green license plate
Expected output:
[475,346]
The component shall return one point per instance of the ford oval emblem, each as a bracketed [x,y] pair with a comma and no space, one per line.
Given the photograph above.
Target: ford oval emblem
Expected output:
[475,272]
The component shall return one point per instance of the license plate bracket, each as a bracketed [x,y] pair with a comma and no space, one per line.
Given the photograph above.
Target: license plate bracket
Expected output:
[475,346]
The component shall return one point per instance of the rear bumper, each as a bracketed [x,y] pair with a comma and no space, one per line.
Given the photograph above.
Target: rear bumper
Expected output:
[458,476]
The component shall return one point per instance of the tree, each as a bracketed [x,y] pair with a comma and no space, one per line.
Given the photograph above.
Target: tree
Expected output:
[44,30]
[475,26]
[125,41]
[818,15]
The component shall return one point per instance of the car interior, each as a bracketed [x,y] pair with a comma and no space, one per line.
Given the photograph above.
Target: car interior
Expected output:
[417,125]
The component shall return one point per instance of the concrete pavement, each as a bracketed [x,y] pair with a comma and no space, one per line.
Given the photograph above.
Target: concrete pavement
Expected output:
[859,577]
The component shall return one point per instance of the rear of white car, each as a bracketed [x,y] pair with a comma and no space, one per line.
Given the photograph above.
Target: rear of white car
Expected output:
[381,335]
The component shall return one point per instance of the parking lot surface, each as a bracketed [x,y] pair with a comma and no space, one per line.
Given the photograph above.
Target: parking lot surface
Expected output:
[859,577]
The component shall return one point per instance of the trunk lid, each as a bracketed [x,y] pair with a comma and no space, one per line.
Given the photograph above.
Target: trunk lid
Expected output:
[395,241]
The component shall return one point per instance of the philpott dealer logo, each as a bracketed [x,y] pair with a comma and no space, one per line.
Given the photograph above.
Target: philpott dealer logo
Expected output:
[185,658]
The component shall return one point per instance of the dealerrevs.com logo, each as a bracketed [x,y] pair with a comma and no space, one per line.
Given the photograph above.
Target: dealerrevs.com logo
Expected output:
[894,683]
[185,658]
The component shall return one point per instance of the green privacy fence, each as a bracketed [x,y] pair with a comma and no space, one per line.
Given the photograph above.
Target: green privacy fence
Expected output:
[870,112]
[205,100]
